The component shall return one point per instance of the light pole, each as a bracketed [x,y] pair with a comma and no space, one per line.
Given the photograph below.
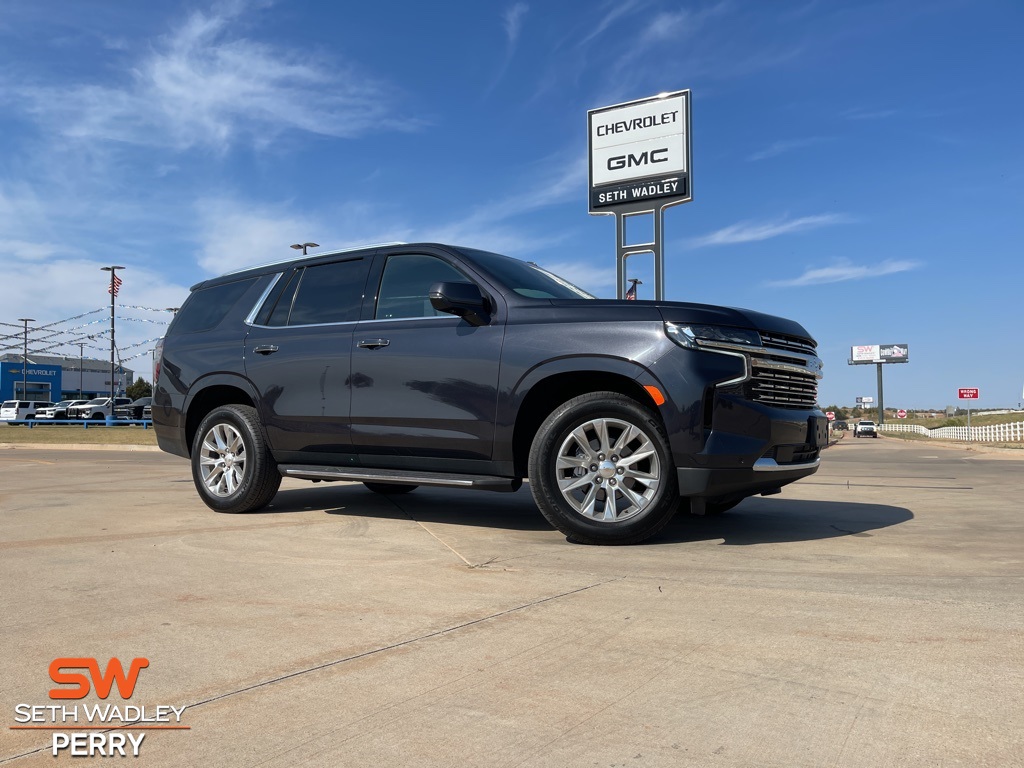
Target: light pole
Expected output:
[24,358]
[303,246]
[115,284]
[81,367]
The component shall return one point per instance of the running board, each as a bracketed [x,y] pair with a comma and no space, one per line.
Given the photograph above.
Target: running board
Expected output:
[403,477]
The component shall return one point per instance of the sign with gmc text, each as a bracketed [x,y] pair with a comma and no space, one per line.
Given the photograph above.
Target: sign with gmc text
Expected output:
[640,151]
[968,393]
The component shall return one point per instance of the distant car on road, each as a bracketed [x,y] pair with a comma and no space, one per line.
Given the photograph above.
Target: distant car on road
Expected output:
[865,429]
[840,426]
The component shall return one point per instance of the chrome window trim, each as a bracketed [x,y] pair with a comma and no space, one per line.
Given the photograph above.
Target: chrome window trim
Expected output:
[357,322]
[411,317]
[250,319]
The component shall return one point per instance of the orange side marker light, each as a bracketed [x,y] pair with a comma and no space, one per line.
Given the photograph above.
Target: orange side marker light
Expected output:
[655,393]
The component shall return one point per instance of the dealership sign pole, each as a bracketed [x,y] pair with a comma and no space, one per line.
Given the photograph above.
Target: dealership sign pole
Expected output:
[640,165]
[879,354]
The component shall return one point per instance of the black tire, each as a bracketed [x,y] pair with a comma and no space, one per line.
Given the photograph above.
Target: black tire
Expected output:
[390,489]
[640,508]
[225,488]
[98,417]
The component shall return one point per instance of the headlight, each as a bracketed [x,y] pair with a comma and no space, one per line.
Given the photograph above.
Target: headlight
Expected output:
[691,336]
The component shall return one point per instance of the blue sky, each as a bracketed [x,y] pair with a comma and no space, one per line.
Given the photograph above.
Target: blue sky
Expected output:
[857,166]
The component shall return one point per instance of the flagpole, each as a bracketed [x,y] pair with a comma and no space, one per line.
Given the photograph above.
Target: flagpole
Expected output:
[114,282]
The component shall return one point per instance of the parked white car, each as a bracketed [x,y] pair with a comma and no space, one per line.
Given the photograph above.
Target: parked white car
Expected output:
[17,410]
[97,408]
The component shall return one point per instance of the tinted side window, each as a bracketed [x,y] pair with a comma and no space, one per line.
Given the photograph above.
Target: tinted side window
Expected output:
[328,293]
[407,279]
[206,307]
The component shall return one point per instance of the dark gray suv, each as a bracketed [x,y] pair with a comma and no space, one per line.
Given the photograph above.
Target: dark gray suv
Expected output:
[415,365]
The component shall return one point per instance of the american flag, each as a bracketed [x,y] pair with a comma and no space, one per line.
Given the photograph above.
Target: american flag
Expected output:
[115,284]
[631,293]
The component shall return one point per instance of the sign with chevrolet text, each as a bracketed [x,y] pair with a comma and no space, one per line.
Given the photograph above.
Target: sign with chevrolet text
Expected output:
[968,393]
[640,151]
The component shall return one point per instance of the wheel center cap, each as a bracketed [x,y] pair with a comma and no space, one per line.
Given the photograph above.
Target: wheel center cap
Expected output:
[606,469]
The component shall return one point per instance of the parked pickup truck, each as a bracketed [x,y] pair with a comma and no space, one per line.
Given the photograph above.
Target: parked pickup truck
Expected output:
[97,408]
[59,410]
[430,365]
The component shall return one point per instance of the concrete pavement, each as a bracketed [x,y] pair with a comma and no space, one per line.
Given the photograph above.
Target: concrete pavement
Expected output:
[868,616]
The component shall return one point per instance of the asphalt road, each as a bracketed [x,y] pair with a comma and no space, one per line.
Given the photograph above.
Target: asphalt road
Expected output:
[868,616]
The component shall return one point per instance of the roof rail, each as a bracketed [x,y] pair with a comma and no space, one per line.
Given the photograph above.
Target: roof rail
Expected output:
[313,255]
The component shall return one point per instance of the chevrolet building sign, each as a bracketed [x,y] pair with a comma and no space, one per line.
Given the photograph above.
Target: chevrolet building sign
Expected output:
[640,151]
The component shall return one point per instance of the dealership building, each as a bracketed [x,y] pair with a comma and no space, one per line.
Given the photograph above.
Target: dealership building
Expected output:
[55,378]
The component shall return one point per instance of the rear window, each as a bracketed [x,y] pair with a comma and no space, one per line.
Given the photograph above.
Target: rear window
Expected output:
[205,308]
[9,404]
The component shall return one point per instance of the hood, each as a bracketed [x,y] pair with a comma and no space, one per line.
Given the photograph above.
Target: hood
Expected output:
[684,312]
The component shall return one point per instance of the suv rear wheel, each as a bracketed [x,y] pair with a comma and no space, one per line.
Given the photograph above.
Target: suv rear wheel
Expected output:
[601,471]
[231,464]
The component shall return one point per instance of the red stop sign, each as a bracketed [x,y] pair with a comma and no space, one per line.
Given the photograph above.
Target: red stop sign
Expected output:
[901,414]
[830,415]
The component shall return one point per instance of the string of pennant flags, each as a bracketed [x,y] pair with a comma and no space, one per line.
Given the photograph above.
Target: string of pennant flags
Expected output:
[50,337]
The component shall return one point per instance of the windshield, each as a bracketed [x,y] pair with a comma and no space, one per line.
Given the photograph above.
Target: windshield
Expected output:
[98,401]
[526,279]
[64,403]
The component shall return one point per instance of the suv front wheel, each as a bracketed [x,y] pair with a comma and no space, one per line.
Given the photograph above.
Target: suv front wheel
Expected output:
[231,463]
[601,471]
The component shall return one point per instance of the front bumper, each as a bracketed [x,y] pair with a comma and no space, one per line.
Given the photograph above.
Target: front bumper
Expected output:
[749,481]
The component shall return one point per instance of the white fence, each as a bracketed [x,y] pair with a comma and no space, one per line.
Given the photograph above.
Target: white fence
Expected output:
[991,433]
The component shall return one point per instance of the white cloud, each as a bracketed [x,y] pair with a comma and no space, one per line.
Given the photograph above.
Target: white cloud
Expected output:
[23,250]
[513,19]
[592,279]
[204,85]
[844,270]
[782,147]
[864,113]
[236,234]
[61,288]
[754,231]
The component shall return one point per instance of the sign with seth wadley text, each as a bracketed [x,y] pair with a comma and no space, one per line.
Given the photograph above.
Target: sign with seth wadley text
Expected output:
[640,151]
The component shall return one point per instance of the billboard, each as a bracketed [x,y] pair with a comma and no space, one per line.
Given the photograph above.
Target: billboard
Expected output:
[640,151]
[879,353]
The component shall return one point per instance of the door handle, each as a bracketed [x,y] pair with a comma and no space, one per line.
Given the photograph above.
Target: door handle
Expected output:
[373,343]
[265,349]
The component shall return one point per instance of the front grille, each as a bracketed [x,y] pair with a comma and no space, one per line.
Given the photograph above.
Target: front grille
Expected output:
[792,343]
[789,388]
[782,388]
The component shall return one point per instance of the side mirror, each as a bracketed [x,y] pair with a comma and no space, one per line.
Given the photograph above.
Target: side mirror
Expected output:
[461,299]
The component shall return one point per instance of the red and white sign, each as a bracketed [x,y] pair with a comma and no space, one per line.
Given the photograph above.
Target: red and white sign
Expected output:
[967,393]
[901,414]
[830,415]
